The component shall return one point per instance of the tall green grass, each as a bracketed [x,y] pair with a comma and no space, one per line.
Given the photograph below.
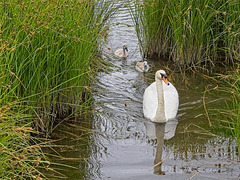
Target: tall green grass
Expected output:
[224,110]
[231,114]
[48,54]
[191,33]
[20,153]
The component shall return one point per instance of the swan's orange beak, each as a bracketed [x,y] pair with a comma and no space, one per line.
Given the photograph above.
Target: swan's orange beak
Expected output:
[165,80]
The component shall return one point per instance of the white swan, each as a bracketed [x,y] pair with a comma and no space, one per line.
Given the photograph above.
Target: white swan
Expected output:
[160,99]
[142,66]
[123,53]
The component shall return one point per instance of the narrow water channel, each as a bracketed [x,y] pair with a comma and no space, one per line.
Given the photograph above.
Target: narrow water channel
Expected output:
[117,142]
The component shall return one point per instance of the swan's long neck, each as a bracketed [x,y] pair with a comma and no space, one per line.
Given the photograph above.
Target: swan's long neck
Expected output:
[160,114]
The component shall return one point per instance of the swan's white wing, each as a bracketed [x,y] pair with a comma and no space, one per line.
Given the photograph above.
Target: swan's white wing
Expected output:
[150,101]
[171,101]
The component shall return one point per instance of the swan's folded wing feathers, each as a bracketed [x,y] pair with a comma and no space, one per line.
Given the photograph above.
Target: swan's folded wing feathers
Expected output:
[150,101]
[171,101]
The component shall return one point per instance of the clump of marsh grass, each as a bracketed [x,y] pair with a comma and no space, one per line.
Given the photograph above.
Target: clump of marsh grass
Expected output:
[232,112]
[227,115]
[191,33]
[48,54]
[20,154]
[151,27]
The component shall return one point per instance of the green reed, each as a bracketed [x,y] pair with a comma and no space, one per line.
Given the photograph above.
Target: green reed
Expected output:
[20,153]
[234,119]
[231,30]
[190,33]
[48,53]
[151,27]
[224,110]
[232,111]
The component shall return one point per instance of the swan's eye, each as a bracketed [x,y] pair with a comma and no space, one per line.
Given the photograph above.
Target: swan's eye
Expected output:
[163,75]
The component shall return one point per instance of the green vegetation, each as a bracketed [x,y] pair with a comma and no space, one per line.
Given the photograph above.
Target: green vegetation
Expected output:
[20,153]
[48,58]
[229,115]
[48,55]
[199,34]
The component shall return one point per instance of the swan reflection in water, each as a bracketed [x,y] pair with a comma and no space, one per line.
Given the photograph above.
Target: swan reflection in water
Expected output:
[160,131]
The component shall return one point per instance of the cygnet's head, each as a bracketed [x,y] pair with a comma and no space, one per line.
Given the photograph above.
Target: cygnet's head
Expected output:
[125,47]
[161,74]
[145,65]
